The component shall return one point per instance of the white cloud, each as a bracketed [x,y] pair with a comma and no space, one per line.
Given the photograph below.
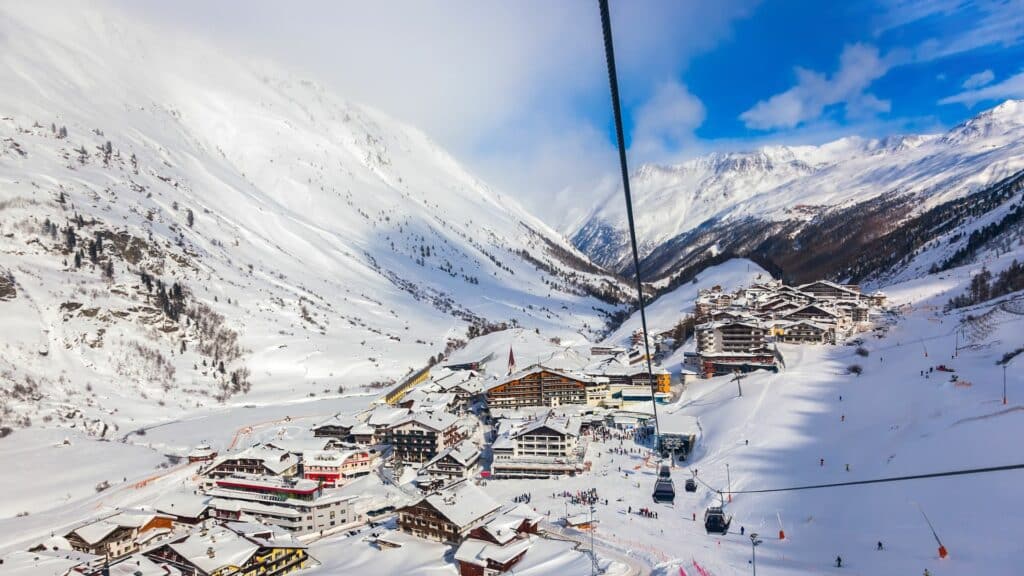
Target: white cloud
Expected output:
[859,66]
[959,25]
[665,122]
[1012,87]
[486,79]
[978,80]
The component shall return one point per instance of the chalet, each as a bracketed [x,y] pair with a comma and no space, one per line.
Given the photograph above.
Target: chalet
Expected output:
[229,549]
[202,453]
[139,565]
[381,419]
[118,535]
[338,467]
[854,310]
[539,449]
[299,506]
[825,290]
[539,386]
[453,463]
[483,558]
[804,332]
[876,299]
[184,508]
[607,350]
[264,460]
[500,543]
[53,563]
[816,313]
[420,400]
[420,437]
[338,426]
[448,515]
[466,385]
[364,434]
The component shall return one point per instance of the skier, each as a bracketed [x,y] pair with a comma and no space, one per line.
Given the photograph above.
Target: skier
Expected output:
[880,547]
[847,467]
[839,561]
[742,530]
[822,463]
[842,418]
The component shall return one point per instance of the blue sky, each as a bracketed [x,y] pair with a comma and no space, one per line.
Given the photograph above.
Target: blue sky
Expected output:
[518,91]
[912,67]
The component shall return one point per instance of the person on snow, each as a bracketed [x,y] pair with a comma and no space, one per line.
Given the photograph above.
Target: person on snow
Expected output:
[742,530]
[822,462]
[880,547]
[839,561]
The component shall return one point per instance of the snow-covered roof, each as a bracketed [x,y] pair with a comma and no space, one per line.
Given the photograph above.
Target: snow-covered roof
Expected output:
[139,565]
[202,451]
[440,421]
[275,459]
[386,416]
[573,375]
[326,457]
[502,527]
[464,453]
[45,562]
[228,549]
[478,552]
[95,532]
[339,420]
[184,504]
[568,426]
[463,503]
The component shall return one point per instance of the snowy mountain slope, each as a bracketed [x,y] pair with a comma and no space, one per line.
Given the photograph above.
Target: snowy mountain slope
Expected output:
[781,183]
[314,243]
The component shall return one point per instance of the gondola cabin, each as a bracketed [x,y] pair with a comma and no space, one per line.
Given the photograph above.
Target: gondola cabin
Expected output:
[664,491]
[715,520]
[691,485]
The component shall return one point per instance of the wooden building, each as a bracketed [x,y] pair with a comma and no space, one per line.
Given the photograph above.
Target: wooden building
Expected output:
[420,437]
[539,386]
[454,463]
[237,549]
[448,515]
[118,535]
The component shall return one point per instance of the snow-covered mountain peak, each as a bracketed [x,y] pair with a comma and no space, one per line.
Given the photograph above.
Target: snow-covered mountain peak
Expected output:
[782,182]
[145,196]
[996,122]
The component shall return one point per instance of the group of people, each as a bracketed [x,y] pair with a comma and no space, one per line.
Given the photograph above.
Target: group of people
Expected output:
[523,498]
[581,497]
[645,512]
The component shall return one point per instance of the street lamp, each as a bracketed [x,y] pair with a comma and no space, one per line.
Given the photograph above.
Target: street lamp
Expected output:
[593,559]
[754,542]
